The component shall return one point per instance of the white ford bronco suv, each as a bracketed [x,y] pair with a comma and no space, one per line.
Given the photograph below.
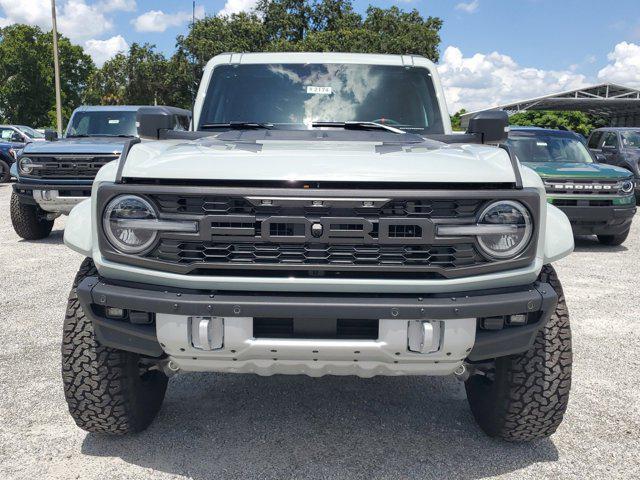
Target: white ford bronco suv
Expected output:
[320,218]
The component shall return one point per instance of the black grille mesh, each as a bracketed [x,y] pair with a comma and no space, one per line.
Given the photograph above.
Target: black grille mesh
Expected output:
[61,167]
[449,256]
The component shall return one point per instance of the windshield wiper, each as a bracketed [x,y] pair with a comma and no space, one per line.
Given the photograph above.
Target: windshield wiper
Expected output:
[357,125]
[239,125]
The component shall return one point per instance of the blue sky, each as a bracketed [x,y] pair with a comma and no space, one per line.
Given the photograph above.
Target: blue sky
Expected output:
[492,50]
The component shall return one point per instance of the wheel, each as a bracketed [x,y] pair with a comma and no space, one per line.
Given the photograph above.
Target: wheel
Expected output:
[107,390]
[29,221]
[523,397]
[614,240]
[5,173]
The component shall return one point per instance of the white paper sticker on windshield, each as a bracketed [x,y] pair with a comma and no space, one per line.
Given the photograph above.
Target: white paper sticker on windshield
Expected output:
[319,90]
[541,144]
[113,121]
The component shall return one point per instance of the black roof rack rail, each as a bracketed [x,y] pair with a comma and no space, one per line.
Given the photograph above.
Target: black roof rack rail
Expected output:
[514,165]
[123,157]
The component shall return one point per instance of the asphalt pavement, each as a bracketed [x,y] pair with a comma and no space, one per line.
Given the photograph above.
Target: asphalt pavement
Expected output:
[215,426]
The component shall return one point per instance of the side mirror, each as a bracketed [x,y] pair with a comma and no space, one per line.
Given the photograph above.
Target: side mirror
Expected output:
[50,135]
[492,126]
[17,138]
[600,158]
[153,121]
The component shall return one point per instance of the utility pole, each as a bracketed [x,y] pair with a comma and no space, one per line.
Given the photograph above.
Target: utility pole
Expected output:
[56,68]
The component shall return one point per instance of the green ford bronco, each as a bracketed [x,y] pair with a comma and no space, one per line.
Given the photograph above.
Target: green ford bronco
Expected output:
[597,198]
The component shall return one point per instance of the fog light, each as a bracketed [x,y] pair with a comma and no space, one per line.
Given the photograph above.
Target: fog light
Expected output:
[207,333]
[519,319]
[114,312]
[423,336]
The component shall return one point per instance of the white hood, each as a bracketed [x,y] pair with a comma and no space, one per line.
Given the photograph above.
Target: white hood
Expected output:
[318,161]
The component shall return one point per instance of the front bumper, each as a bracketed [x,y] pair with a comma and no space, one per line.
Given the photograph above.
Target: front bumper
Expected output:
[589,220]
[54,198]
[389,354]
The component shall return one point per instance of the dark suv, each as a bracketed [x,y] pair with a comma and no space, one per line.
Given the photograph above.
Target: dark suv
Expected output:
[618,146]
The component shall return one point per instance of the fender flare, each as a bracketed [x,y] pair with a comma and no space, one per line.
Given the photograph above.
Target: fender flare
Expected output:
[558,238]
[77,232]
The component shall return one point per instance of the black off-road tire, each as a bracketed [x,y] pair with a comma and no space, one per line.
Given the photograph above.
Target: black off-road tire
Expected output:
[29,221]
[5,173]
[524,397]
[614,240]
[107,390]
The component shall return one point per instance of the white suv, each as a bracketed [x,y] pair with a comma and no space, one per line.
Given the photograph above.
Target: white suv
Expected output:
[320,218]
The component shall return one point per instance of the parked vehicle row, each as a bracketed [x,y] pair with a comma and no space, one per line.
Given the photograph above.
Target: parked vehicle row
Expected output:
[598,198]
[619,146]
[53,177]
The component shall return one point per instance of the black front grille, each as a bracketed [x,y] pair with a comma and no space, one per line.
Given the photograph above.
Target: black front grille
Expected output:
[229,205]
[270,254]
[247,233]
[69,167]
[304,233]
[316,328]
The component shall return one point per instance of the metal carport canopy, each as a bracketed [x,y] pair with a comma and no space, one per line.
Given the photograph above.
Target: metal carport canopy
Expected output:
[619,104]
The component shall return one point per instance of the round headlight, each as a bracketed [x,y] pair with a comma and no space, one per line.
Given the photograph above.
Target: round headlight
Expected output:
[627,186]
[121,228]
[517,232]
[26,165]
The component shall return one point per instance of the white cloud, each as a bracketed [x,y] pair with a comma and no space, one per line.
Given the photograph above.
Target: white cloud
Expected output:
[80,21]
[103,50]
[237,6]
[485,80]
[469,7]
[118,5]
[33,12]
[624,66]
[77,19]
[158,21]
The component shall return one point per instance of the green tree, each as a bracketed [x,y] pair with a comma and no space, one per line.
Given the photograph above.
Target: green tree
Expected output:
[579,122]
[321,26]
[456,119]
[27,94]
[140,77]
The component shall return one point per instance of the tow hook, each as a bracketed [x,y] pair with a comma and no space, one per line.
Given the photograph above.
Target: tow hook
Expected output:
[169,367]
[462,373]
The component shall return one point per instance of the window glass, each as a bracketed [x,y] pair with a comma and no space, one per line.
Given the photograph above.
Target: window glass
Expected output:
[30,132]
[594,140]
[6,134]
[103,123]
[610,139]
[631,139]
[296,95]
[549,148]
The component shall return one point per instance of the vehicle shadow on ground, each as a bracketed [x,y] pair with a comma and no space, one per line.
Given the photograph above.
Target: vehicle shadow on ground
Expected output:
[55,238]
[245,426]
[590,243]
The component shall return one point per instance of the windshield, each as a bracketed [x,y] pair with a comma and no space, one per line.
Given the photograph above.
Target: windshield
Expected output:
[103,123]
[549,148]
[30,132]
[631,139]
[296,95]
